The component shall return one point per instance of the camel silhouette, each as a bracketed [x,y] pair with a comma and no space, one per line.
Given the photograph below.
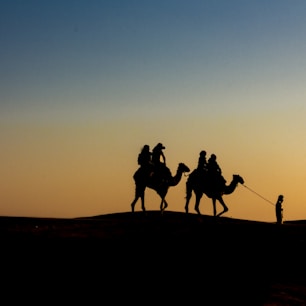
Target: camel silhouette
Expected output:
[160,182]
[200,184]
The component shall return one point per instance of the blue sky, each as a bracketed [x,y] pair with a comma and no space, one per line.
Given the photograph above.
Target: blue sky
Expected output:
[54,50]
[116,74]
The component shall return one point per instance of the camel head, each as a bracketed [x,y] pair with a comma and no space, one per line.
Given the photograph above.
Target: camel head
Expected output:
[183,168]
[237,178]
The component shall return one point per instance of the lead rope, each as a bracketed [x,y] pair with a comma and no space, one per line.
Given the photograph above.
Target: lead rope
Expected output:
[258,195]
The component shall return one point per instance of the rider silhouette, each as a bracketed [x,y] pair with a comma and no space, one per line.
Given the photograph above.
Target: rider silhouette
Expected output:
[214,170]
[144,157]
[158,156]
[202,163]
[159,162]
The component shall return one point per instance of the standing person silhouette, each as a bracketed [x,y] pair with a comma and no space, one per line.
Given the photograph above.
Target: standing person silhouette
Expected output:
[279,209]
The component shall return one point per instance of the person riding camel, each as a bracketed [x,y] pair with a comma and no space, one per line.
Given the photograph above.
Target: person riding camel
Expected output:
[214,170]
[159,161]
[202,163]
[201,169]
[158,156]
[145,158]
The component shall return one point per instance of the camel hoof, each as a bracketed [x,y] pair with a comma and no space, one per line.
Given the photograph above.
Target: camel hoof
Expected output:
[221,213]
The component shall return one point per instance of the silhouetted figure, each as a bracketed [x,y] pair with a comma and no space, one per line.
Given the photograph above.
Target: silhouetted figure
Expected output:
[279,209]
[202,162]
[212,164]
[145,159]
[158,156]
[159,163]
[214,170]
[145,156]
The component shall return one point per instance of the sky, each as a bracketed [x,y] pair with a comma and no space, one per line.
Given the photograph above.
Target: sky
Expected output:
[85,84]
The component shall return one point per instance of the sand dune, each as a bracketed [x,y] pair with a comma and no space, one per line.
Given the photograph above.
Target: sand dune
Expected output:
[155,259]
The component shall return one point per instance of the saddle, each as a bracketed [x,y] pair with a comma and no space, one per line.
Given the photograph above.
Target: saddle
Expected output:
[161,173]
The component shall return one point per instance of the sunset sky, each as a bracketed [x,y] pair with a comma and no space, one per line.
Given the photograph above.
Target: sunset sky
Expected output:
[85,84]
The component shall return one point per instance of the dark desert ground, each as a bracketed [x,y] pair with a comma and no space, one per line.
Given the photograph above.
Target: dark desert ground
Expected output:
[152,259]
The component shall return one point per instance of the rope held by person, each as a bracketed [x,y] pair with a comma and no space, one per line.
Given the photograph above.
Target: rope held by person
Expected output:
[258,195]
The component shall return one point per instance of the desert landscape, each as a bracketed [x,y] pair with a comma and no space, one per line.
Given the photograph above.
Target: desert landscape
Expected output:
[153,258]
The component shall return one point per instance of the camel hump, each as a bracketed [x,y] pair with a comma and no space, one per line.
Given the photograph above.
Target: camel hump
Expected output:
[199,173]
[143,173]
[163,171]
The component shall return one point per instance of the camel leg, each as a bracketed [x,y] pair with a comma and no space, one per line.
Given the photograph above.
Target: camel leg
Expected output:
[142,203]
[188,196]
[166,204]
[225,208]
[197,203]
[139,193]
[214,207]
[134,202]
[163,205]
[187,204]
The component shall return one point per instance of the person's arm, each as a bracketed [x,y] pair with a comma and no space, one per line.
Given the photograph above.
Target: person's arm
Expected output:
[164,157]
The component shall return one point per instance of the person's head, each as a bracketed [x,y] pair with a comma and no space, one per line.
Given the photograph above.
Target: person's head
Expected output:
[213,157]
[146,148]
[160,146]
[280,197]
[203,153]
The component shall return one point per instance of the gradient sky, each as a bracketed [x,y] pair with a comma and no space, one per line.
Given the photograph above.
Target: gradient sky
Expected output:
[85,84]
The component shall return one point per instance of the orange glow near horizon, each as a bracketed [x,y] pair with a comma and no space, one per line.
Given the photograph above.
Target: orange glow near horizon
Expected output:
[73,172]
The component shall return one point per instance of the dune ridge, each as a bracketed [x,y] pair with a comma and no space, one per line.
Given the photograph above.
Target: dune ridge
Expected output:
[171,257]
